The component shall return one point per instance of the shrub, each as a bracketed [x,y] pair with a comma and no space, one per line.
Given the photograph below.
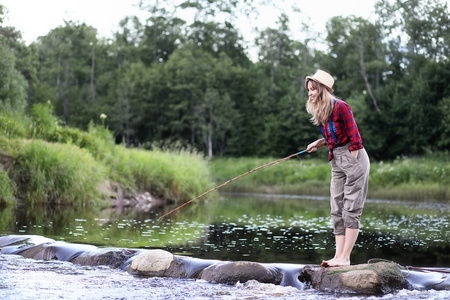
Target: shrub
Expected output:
[44,123]
[13,124]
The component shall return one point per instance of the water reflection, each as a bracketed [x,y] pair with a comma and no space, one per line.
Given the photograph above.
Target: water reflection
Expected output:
[271,229]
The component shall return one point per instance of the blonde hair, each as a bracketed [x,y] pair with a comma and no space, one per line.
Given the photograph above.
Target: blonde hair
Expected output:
[322,108]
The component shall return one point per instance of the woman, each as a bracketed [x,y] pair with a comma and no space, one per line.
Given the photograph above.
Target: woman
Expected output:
[349,162]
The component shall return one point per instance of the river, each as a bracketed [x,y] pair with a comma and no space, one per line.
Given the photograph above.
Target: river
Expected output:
[276,229]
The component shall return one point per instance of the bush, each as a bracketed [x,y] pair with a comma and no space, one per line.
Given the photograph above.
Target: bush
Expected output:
[13,124]
[44,123]
[58,173]
[98,139]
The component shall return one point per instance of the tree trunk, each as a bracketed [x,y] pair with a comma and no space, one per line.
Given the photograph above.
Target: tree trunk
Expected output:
[64,88]
[92,74]
[365,77]
[210,133]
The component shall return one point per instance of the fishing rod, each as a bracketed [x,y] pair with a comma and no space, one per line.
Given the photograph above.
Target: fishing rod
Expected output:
[233,179]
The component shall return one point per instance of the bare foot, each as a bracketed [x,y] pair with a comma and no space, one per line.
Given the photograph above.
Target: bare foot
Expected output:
[337,262]
[327,263]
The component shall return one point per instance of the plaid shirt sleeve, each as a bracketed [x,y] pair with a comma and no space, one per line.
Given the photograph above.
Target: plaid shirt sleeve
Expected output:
[346,128]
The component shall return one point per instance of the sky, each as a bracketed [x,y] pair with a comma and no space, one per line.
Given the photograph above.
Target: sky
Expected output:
[35,18]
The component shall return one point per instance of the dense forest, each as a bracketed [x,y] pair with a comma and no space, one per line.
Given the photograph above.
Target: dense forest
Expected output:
[164,80]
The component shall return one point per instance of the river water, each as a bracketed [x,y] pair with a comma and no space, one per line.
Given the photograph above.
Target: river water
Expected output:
[274,229]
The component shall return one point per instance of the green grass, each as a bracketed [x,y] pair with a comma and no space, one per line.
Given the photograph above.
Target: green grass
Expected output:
[169,175]
[292,176]
[423,178]
[7,189]
[56,173]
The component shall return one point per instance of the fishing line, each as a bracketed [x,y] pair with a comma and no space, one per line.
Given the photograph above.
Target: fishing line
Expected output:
[235,178]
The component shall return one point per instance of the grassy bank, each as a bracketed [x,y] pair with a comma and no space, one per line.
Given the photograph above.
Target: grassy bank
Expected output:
[422,178]
[45,162]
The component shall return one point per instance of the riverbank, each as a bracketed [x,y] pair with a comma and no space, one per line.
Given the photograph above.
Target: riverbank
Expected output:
[43,162]
[406,178]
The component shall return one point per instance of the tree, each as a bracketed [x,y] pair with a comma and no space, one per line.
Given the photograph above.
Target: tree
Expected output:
[66,65]
[358,56]
[13,84]
[425,23]
[279,104]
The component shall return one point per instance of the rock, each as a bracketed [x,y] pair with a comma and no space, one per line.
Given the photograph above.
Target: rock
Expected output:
[359,279]
[18,242]
[42,251]
[444,285]
[240,271]
[56,251]
[194,266]
[156,263]
[116,258]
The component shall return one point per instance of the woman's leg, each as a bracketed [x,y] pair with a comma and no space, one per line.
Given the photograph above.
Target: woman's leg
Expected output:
[344,247]
[336,202]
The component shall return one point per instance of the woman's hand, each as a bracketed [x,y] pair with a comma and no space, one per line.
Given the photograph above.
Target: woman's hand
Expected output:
[354,153]
[314,145]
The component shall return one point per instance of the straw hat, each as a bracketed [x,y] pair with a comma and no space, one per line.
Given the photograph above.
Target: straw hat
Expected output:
[323,78]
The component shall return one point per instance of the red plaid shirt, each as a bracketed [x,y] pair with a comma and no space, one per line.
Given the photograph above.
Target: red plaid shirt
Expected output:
[346,128]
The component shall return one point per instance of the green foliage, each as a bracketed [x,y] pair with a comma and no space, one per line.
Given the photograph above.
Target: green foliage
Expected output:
[97,139]
[429,170]
[13,85]
[444,106]
[45,123]
[176,176]
[14,124]
[57,173]
[7,189]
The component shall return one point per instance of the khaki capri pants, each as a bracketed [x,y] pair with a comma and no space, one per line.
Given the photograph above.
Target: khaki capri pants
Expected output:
[348,188]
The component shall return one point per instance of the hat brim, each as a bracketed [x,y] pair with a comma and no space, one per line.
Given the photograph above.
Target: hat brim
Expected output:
[318,81]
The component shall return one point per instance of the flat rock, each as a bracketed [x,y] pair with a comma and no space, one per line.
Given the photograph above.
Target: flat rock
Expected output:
[115,258]
[358,279]
[240,271]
